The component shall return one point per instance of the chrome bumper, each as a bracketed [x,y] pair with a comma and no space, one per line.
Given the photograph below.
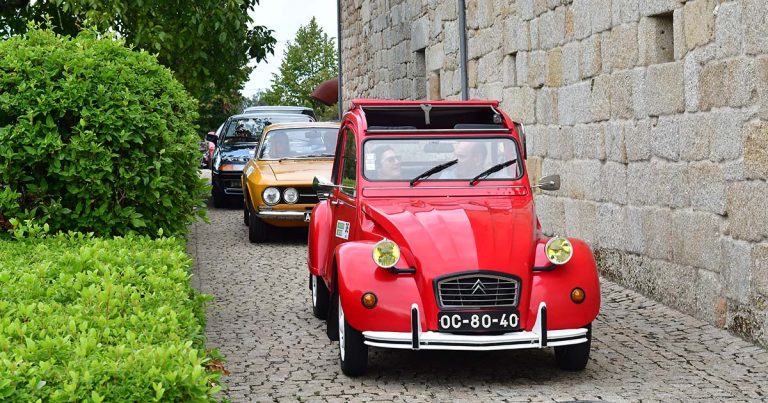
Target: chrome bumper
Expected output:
[538,337]
[283,215]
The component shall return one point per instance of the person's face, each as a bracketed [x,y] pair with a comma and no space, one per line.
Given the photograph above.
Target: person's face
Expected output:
[390,165]
[469,159]
[280,145]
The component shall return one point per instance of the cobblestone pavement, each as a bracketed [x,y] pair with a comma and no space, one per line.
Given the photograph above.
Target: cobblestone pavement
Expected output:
[277,351]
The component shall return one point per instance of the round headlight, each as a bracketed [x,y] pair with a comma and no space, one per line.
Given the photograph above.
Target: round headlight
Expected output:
[271,196]
[386,253]
[559,250]
[290,195]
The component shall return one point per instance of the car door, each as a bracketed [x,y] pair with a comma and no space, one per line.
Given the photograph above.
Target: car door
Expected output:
[343,198]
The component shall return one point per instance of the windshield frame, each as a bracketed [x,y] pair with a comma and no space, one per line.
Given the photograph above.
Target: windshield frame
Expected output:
[518,156]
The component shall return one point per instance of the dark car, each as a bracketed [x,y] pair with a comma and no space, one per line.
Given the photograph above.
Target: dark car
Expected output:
[303,110]
[235,145]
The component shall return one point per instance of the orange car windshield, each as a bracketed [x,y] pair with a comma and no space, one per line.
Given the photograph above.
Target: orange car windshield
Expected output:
[313,142]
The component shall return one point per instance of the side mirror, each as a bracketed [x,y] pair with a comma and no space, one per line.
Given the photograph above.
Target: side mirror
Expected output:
[212,137]
[322,187]
[551,182]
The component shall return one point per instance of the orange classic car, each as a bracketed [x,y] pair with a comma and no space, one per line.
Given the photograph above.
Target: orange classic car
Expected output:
[277,181]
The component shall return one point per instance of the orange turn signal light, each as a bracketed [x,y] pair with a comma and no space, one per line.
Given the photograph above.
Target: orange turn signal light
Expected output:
[369,300]
[578,295]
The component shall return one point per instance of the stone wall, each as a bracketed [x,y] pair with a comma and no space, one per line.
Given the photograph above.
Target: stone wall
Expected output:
[654,112]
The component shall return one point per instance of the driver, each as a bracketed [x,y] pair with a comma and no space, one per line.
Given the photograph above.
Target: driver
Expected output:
[242,131]
[279,145]
[470,156]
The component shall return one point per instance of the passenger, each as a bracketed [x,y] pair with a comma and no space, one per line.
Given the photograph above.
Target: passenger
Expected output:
[471,156]
[387,163]
[329,140]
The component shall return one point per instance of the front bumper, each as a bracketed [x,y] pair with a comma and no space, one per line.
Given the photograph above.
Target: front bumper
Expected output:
[227,182]
[538,337]
[284,215]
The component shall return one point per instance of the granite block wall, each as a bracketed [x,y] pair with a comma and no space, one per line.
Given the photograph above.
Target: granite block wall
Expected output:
[654,112]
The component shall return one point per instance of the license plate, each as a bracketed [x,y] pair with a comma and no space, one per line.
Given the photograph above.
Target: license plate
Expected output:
[307,216]
[478,321]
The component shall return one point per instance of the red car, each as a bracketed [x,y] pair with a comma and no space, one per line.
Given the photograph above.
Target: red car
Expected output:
[428,239]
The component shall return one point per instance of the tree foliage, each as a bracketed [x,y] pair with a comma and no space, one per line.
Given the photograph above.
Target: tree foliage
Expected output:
[308,61]
[206,43]
[256,99]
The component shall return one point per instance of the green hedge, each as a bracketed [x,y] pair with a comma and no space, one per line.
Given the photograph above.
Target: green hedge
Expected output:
[90,319]
[95,137]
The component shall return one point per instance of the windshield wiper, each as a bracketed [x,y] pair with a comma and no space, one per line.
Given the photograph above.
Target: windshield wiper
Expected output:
[316,155]
[431,171]
[493,169]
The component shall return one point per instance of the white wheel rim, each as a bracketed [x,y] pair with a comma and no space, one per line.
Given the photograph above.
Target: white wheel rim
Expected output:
[314,290]
[341,331]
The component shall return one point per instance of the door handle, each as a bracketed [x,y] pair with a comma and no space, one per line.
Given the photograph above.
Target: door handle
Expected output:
[335,202]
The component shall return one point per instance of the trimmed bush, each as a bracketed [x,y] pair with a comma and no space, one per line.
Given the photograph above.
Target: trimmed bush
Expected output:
[95,137]
[88,319]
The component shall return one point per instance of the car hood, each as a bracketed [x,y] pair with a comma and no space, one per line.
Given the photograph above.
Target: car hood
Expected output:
[238,152]
[296,170]
[461,234]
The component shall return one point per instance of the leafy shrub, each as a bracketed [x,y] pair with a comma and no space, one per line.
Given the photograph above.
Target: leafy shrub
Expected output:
[83,318]
[95,137]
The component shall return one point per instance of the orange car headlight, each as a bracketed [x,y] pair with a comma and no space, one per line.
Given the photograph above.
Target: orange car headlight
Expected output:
[291,195]
[271,196]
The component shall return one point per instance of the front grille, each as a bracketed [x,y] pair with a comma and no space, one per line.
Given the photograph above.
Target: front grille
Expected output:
[478,291]
[307,196]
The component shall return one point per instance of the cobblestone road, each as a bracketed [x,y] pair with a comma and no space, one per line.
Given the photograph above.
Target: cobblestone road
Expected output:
[277,351]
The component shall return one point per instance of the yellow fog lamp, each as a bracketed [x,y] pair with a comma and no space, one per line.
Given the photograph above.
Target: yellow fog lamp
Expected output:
[369,300]
[578,295]
[386,253]
[559,250]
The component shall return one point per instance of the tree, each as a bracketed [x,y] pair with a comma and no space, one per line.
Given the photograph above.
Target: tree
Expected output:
[206,43]
[256,99]
[308,61]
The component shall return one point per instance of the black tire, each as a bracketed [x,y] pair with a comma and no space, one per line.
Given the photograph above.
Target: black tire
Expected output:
[353,353]
[332,326]
[320,296]
[219,199]
[246,214]
[257,228]
[575,356]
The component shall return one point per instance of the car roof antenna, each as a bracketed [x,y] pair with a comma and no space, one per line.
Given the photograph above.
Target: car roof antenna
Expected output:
[426,108]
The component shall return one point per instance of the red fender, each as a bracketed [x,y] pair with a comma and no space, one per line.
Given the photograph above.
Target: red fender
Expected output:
[319,238]
[554,287]
[358,274]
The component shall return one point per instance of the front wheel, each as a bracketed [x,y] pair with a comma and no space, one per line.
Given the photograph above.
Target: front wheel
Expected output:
[219,200]
[246,213]
[574,357]
[353,353]
[320,297]
[257,228]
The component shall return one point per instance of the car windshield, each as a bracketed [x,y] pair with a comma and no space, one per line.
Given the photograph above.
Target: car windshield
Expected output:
[430,159]
[305,142]
[245,130]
